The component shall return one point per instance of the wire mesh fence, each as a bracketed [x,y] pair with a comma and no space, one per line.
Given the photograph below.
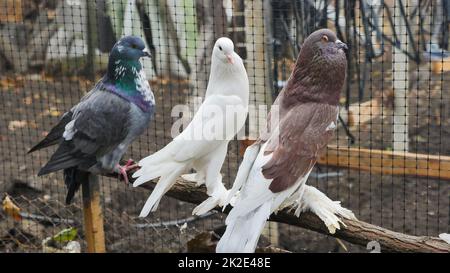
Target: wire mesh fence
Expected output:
[389,163]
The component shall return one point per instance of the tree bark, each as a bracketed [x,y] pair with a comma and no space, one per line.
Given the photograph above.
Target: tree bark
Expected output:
[212,23]
[355,231]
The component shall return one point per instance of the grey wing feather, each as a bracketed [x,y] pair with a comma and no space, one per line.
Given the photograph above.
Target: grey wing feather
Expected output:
[100,123]
[55,135]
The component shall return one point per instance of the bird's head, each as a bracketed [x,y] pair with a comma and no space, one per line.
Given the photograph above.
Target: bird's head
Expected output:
[324,44]
[124,58]
[125,72]
[224,50]
[321,59]
[130,48]
[321,68]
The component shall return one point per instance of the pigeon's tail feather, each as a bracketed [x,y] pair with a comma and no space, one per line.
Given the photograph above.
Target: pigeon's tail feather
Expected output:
[151,172]
[55,134]
[73,178]
[45,143]
[65,158]
[243,232]
[157,158]
[168,174]
[60,163]
[244,170]
[152,166]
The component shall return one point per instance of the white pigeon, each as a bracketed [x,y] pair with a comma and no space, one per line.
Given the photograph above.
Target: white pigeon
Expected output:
[274,170]
[203,145]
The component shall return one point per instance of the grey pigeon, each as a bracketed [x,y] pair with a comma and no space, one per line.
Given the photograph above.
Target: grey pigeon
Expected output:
[274,170]
[94,135]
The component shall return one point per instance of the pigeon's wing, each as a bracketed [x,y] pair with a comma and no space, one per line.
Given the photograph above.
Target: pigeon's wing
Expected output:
[216,120]
[98,125]
[303,132]
[251,153]
[56,133]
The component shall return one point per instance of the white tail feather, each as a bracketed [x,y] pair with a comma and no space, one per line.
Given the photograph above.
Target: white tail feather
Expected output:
[150,175]
[243,232]
[244,169]
[158,157]
[166,181]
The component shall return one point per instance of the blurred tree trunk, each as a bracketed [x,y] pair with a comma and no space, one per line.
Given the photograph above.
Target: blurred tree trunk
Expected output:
[170,33]
[211,22]
[91,30]
[161,24]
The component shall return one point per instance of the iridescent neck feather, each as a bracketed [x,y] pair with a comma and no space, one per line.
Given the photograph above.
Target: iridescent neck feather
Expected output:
[126,78]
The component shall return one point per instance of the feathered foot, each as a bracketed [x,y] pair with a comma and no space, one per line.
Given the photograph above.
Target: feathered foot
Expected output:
[123,170]
[217,198]
[326,209]
[198,178]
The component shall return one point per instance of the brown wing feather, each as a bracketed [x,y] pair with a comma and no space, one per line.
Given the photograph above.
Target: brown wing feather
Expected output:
[303,134]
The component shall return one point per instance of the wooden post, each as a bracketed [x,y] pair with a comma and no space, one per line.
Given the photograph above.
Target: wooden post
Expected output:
[400,67]
[11,11]
[388,162]
[93,216]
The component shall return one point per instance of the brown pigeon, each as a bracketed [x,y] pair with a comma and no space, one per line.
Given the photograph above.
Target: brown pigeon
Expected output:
[300,124]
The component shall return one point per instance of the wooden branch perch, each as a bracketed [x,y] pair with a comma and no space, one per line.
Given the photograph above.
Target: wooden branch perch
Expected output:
[355,231]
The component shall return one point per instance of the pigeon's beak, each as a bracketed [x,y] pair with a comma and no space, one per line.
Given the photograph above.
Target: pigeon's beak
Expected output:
[146,53]
[341,45]
[230,58]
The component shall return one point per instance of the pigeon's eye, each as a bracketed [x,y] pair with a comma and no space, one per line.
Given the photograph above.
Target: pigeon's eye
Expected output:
[324,38]
[134,46]
[220,48]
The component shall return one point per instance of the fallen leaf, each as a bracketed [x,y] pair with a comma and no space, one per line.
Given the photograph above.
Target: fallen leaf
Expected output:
[11,209]
[15,124]
[65,235]
[33,124]
[55,113]
[10,82]
[28,100]
[51,14]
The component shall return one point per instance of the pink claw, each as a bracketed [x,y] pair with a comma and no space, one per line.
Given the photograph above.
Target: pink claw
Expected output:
[130,165]
[123,173]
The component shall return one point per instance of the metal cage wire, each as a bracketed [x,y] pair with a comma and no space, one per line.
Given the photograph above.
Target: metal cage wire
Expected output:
[52,52]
